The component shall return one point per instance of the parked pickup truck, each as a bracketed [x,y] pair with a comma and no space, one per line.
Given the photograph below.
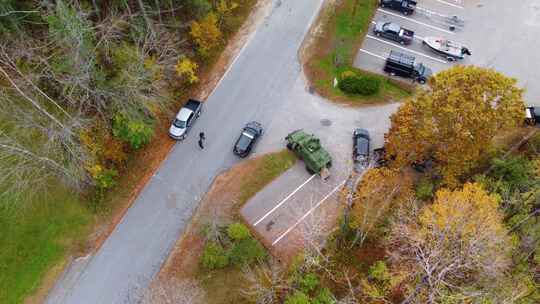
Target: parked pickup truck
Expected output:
[185,118]
[394,32]
[406,7]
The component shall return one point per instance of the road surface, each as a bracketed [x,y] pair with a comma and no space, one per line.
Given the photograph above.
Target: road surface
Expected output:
[256,85]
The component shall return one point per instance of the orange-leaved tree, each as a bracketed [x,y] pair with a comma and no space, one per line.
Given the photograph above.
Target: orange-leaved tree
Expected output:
[206,33]
[457,246]
[455,119]
[379,190]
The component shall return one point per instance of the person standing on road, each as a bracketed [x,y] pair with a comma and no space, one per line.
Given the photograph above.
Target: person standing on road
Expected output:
[202,137]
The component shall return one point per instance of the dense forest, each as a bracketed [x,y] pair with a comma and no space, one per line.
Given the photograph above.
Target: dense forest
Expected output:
[83,82]
[85,85]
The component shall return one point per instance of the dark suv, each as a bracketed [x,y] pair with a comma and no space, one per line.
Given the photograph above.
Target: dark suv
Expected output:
[247,139]
[406,7]
[403,65]
[361,142]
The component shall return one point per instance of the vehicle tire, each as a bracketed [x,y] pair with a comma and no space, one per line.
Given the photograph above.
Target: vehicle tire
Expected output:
[421,81]
[309,170]
[402,42]
[329,165]
[406,13]
[392,74]
[450,59]
[289,146]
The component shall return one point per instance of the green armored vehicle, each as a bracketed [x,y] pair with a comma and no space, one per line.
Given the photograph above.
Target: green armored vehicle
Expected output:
[308,148]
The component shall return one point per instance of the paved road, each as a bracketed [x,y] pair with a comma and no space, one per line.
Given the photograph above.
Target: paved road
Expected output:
[257,84]
[501,34]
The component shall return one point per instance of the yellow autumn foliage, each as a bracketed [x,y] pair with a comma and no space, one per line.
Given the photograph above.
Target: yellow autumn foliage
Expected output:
[379,189]
[188,69]
[464,216]
[206,33]
[455,120]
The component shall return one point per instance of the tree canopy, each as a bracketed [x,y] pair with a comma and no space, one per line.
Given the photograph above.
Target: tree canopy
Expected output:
[454,120]
[457,247]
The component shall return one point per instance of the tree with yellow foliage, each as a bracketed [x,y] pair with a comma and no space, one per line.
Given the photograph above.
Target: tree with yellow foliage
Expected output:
[457,247]
[187,69]
[455,119]
[206,33]
[224,9]
[379,190]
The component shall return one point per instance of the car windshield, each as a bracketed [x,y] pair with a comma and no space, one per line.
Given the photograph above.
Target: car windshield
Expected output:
[244,140]
[391,27]
[420,68]
[179,123]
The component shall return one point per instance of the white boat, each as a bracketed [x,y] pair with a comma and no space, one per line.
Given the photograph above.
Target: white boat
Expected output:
[450,49]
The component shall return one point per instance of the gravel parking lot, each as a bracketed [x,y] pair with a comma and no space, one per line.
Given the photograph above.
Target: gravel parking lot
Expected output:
[501,34]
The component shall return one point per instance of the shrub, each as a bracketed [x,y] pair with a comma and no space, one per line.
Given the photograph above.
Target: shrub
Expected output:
[297,298]
[324,297]
[214,256]
[348,74]
[238,232]
[247,251]
[309,282]
[379,272]
[362,85]
[514,171]
[104,178]
[199,7]
[424,189]
[135,132]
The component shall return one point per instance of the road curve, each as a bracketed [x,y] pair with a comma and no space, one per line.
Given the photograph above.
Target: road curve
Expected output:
[256,85]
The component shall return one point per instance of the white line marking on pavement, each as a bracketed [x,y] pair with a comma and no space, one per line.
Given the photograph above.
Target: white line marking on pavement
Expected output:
[372,54]
[406,49]
[450,4]
[308,213]
[412,20]
[284,200]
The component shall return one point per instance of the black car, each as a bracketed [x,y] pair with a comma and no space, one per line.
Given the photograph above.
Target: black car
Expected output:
[406,7]
[403,65]
[361,142]
[532,115]
[394,32]
[247,139]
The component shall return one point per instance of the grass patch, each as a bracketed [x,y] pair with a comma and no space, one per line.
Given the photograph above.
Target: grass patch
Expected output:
[223,285]
[268,168]
[343,29]
[35,237]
